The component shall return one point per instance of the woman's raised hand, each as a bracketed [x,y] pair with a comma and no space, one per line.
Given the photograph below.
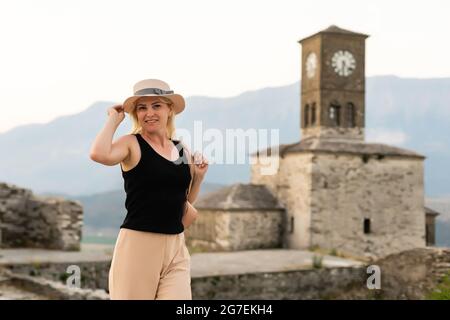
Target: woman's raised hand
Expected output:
[201,164]
[116,113]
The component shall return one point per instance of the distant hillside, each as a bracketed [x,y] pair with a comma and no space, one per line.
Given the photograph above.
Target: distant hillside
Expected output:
[54,157]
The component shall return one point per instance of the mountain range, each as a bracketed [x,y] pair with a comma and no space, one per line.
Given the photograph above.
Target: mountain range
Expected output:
[54,157]
[409,113]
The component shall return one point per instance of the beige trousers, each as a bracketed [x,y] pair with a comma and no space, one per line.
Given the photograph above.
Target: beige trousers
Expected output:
[148,266]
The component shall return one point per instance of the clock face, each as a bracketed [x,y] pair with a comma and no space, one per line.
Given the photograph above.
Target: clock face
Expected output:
[311,65]
[343,63]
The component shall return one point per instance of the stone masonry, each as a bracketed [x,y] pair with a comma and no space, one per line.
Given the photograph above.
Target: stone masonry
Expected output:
[32,221]
[330,190]
[238,217]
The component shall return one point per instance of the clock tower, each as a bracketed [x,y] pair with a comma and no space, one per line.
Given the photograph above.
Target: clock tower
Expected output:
[340,192]
[333,85]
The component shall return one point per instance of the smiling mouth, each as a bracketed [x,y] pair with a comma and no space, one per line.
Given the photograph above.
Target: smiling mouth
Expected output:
[151,121]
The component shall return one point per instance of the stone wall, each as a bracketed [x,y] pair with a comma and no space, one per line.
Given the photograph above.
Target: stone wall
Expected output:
[259,174]
[387,190]
[318,283]
[220,230]
[292,187]
[27,287]
[94,274]
[412,274]
[31,221]
[327,196]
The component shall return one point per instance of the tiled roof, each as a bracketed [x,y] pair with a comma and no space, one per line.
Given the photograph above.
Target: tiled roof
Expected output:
[240,197]
[430,211]
[335,30]
[340,146]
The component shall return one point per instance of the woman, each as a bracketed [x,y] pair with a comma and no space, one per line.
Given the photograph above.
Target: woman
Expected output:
[150,259]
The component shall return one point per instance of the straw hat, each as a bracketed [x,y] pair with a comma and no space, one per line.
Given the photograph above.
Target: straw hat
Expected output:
[153,88]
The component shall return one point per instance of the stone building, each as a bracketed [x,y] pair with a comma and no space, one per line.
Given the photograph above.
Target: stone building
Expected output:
[338,191]
[242,216]
[31,221]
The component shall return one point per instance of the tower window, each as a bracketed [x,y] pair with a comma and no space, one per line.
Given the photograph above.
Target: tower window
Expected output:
[313,113]
[306,115]
[366,226]
[334,114]
[350,115]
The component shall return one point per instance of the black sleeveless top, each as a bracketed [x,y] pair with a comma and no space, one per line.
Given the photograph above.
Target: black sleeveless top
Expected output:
[156,191]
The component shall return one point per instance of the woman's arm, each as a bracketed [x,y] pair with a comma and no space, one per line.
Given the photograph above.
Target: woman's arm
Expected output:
[198,166]
[190,214]
[102,149]
[195,189]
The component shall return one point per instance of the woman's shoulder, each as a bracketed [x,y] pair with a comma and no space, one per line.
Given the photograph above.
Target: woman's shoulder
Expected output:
[125,138]
[129,139]
[130,136]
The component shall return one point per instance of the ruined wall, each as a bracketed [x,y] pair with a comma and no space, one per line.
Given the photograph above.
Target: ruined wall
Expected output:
[422,273]
[31,221]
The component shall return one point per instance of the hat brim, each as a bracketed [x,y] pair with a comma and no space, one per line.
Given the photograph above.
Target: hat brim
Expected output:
[178,101]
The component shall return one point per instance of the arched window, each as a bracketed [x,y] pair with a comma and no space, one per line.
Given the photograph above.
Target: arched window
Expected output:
[306,115]
[334,114]
[350,115]
[313,114]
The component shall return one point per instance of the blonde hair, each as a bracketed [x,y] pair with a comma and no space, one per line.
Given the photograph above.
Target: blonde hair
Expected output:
[170,128]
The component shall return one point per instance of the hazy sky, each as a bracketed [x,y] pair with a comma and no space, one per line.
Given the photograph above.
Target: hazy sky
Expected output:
[58,57]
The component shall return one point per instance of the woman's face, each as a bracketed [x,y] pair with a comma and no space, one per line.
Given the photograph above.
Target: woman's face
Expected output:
[152,114]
